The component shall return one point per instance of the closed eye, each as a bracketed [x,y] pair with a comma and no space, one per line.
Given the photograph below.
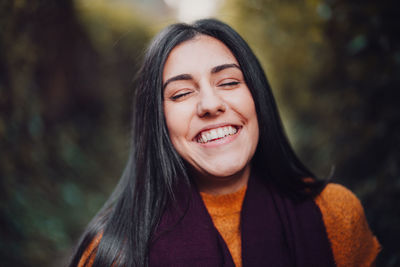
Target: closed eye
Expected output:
[228,84]
[177,96]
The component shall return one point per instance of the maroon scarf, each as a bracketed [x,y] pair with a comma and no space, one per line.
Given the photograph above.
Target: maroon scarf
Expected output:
[276,231]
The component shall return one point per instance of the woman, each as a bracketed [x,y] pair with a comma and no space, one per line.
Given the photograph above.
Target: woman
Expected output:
[211,179]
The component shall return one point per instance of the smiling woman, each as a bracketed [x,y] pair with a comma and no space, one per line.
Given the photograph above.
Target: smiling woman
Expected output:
[217,129]
[211,179]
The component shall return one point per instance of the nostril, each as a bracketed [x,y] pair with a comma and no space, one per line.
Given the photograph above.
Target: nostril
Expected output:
[211,107]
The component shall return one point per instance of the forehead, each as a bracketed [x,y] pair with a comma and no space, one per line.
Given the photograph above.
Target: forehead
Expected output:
[197,55]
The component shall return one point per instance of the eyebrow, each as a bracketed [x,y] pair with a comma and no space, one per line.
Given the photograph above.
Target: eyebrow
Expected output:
[179,77]
[185,77]
[224,66]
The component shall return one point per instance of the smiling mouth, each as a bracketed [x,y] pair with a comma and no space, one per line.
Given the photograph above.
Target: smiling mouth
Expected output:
[216,134]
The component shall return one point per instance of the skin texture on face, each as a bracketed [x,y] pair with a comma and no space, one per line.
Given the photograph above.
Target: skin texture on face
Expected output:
[210,113]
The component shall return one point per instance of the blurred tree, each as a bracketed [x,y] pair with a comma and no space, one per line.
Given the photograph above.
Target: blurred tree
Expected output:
[65,92]
[335,69]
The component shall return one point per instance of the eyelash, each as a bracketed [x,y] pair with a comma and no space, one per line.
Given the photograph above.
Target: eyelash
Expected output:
[229,84]
[176,97]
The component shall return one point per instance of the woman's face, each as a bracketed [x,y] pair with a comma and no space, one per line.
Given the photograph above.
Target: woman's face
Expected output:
[209,110]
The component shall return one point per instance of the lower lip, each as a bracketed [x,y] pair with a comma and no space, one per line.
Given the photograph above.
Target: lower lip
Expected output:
[222,141]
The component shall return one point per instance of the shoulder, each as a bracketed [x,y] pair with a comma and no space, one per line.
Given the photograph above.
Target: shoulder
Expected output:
[353,243]
[339,199]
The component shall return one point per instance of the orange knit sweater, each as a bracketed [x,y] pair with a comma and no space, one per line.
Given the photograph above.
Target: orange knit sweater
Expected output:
[352,242]
[225,213]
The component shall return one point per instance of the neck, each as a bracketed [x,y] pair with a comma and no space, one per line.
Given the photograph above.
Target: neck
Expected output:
[215,185]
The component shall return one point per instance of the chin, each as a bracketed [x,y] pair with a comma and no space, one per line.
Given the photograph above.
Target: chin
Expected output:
[223,169]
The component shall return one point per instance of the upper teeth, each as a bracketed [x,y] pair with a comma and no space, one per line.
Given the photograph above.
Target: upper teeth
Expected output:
[216,133]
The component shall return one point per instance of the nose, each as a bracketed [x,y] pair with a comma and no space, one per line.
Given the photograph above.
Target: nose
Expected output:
[210,103]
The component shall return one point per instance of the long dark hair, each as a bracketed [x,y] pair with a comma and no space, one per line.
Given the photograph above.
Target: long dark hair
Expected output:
[154,169]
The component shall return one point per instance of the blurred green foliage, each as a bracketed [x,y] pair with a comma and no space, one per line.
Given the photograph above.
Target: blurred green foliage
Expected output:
[66,81]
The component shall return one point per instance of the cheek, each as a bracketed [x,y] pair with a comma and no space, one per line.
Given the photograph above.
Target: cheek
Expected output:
[250,109]
[177,120]
[252,118]
[243,102]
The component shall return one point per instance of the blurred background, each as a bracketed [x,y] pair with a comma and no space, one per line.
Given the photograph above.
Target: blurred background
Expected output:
[66,81]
